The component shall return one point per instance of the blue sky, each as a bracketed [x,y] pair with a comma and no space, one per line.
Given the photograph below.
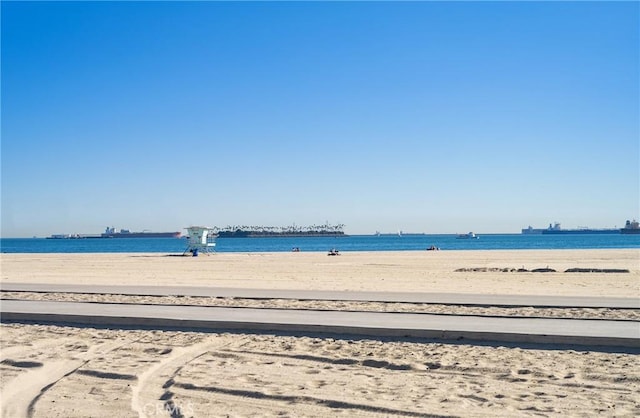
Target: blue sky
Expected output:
[419,116]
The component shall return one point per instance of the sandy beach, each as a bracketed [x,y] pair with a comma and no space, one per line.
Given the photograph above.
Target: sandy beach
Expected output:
[148,373]
[407,271]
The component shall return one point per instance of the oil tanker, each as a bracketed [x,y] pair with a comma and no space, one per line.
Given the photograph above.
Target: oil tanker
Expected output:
[556,229]
[111,232]
[631,227]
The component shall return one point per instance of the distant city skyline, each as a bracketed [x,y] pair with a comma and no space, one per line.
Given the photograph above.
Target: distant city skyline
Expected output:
[427,117]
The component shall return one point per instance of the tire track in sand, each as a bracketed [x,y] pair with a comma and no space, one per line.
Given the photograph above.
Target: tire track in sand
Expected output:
[149,394]
[21,395]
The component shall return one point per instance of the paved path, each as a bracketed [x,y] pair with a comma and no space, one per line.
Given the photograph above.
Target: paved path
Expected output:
[528,330]
[436,298]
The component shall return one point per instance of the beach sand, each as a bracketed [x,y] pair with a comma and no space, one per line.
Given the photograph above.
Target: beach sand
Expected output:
[63,371]
[406,271]
[107,373]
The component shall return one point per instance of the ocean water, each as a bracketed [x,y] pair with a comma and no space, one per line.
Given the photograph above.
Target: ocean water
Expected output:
[417,242]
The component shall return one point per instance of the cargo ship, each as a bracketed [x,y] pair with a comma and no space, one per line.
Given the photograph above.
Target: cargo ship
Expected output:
[631,227]
[556,229]
[111,232]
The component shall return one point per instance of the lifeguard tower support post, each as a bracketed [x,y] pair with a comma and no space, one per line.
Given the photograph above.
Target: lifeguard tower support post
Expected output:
[201,239]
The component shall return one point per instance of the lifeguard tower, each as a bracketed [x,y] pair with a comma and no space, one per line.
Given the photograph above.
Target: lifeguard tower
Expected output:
[201,239]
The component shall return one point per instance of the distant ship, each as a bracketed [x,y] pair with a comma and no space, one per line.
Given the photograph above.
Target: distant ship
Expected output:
[470,235]
[67,236]
[111,232]
[631,227]
[556,229]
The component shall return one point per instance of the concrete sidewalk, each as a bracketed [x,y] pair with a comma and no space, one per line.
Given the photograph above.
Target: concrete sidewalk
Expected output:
[374,324]
[434,298]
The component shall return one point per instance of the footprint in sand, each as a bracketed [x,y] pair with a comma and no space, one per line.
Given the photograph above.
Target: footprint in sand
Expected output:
[317,383]
[22,364]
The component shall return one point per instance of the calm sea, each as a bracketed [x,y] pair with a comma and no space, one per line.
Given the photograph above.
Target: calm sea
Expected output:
[347,243]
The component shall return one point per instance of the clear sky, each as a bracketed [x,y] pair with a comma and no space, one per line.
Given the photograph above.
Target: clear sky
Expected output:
[415,116]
